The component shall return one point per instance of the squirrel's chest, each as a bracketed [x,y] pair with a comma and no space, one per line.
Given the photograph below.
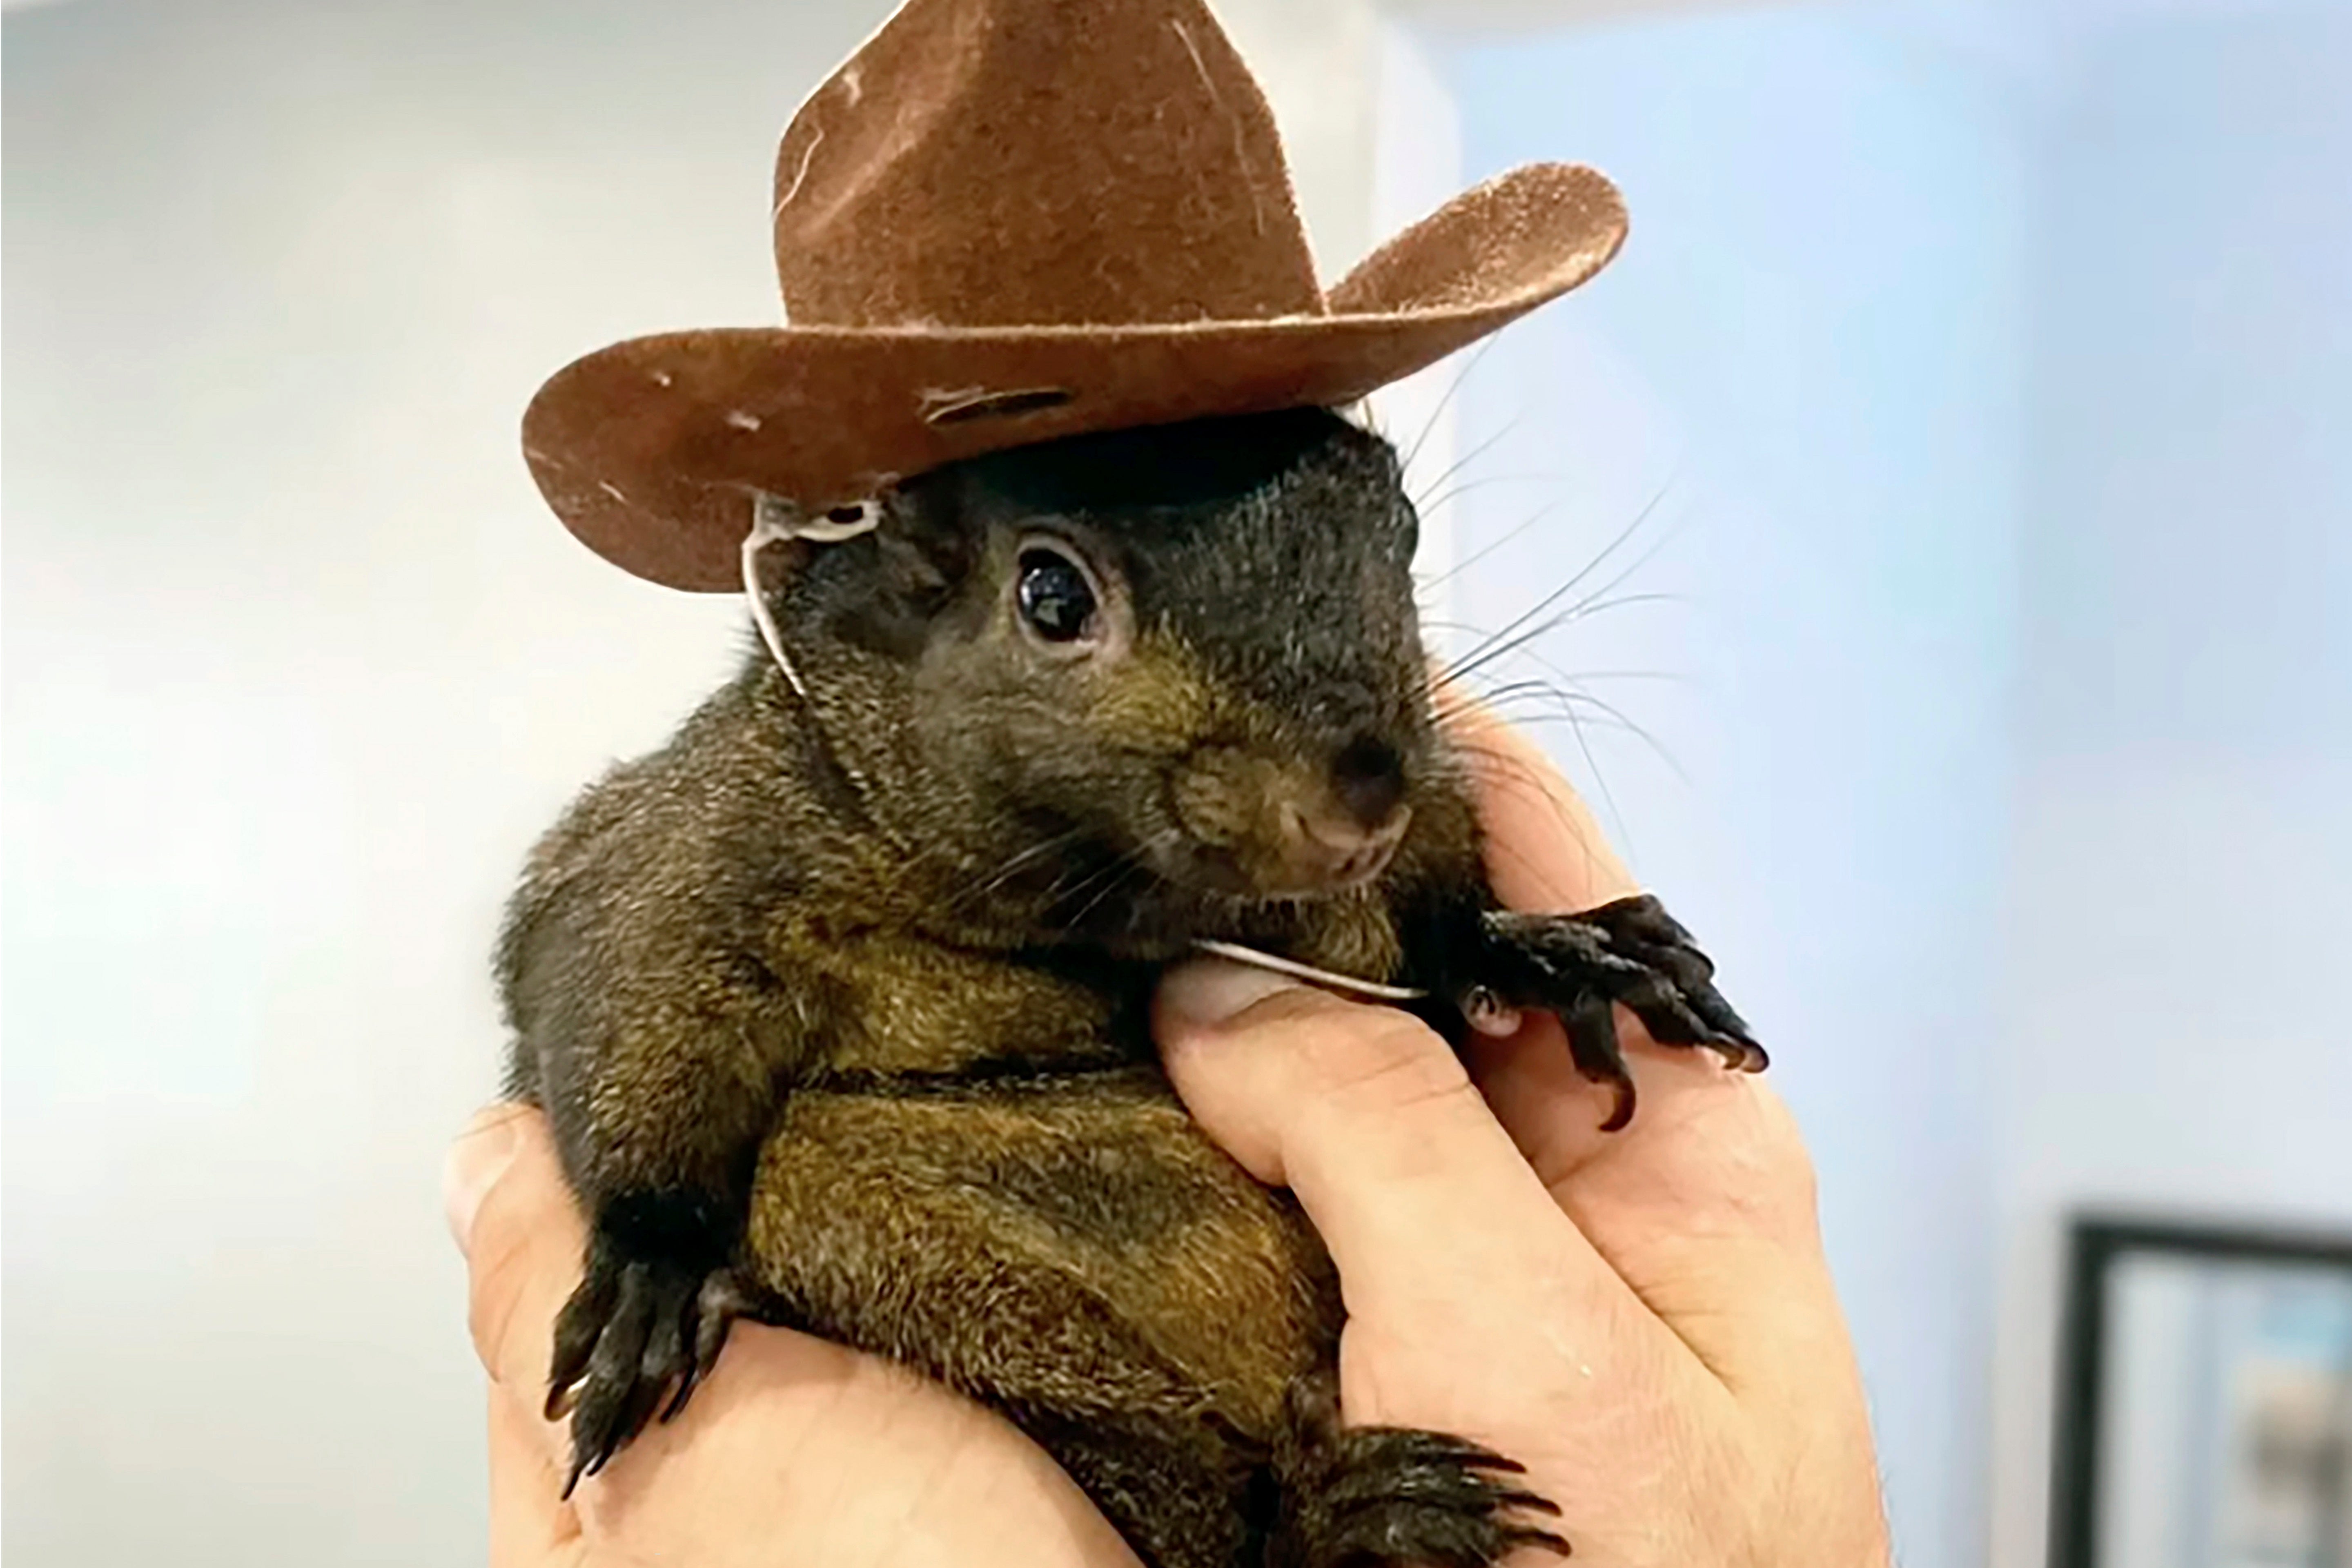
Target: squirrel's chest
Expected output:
[898,1004]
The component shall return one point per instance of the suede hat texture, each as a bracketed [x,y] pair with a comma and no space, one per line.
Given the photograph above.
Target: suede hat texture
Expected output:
[1004,221]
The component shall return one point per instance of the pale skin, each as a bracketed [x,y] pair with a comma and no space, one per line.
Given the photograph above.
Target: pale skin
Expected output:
[1644,1318]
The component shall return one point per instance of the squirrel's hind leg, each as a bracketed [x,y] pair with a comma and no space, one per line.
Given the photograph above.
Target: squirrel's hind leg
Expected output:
[1074,1253]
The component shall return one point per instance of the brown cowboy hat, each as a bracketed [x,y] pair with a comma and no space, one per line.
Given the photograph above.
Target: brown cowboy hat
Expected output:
[1004,221]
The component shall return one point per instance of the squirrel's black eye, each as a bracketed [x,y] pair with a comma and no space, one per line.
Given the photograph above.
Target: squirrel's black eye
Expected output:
[1055,596]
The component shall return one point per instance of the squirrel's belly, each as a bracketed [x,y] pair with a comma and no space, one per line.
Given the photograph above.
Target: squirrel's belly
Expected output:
[1070,1244]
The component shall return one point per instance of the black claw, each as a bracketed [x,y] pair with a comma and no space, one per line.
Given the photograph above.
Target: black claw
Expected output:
[1382,1497]
[577,1331]
[1591,1025]
[1478,1459]
[1519,1536]
[1423,1447]
[722,1301]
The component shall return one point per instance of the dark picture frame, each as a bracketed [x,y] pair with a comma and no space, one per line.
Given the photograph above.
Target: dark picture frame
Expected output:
[2098,1246]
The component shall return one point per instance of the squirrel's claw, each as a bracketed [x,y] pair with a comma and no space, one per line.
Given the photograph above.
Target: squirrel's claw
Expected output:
[721,1300]
[1376,1496]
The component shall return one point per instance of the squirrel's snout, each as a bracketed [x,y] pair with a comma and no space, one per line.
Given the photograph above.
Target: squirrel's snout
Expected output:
[1329,852]
[1348,838]
[1292,828]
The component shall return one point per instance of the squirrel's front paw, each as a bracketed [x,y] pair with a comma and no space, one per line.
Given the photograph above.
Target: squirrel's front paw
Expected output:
[1382,1497]
[637,1329]
[1631,953]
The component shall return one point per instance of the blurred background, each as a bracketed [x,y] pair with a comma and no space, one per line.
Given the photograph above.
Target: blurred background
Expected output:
[1965,436]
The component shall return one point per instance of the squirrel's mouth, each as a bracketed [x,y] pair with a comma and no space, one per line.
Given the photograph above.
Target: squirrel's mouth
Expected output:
[1158,902]
[1160,891]
[1288,828]
[1310,867]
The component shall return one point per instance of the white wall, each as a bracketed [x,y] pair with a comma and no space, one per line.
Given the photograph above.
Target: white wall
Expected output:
[2182,892]
[297,664]
[1810,356]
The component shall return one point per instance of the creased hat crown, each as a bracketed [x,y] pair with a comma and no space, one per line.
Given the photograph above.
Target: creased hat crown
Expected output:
[910,191]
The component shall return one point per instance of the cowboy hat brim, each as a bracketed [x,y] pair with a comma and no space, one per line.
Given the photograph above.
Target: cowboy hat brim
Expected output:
[653,451]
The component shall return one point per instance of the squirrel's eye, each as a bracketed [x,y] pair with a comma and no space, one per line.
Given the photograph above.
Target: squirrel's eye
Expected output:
[1055,596]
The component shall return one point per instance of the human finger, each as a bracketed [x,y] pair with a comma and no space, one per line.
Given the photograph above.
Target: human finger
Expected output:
[1705,1203]
[1431,1215]
[801,1450]
[523,1240]
[530,1525]
[1546,854]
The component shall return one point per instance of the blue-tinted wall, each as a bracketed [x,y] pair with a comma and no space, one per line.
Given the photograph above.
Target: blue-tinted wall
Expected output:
[1811,358]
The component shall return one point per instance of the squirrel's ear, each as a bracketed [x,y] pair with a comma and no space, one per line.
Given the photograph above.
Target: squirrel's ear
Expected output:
[927,544]
[908,568]
[890,604]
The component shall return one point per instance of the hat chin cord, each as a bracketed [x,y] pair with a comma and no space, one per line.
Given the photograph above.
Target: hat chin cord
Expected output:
[775,521]
[1331,979]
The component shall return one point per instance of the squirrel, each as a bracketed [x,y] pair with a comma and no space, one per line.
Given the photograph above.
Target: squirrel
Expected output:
[838,1002]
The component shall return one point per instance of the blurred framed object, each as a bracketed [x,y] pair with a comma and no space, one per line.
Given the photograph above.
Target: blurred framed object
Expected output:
[2205,1399]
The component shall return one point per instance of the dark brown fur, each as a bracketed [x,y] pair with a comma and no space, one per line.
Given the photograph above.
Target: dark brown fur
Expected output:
[839,1007]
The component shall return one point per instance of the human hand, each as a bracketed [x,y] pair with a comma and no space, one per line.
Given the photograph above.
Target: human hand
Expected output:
[1644,1318]
[797,1451]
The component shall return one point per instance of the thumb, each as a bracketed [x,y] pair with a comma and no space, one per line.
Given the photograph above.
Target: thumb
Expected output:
[1369,1119]
[476,1159]
[516,1222]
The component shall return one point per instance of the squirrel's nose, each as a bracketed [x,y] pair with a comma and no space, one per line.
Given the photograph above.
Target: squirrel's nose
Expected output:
[1368,778]
[1350,837]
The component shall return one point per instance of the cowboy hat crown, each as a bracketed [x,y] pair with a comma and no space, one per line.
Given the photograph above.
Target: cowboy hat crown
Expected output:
[1005,221]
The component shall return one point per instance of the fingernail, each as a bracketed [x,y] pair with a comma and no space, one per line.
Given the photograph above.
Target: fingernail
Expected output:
[1210,991]
[475,1161]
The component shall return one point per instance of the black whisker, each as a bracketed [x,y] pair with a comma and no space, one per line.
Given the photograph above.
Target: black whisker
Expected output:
[1430,427]
[1498,771]
[979,887]
[1536,610]
[1468,487]
[1582,609]
[1466,458]
[1484,550]
[1114,876]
